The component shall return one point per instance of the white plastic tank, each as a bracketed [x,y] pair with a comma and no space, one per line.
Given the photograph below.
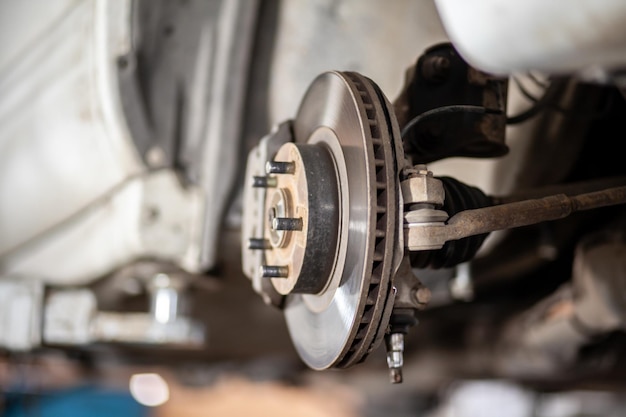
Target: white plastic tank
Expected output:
[505,36]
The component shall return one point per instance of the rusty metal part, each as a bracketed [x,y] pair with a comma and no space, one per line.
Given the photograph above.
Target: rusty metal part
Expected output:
[422,187]
[442,79]
[458,197]
[410,292]
[507,216]
[573,188]
[423,196]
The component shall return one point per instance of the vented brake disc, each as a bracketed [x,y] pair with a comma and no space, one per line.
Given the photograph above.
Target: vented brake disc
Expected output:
[330,217]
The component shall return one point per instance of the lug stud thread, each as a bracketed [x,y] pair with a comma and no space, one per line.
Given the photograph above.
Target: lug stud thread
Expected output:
[256,243]
[273,271]
[287,223]
[277,167]
[263,182]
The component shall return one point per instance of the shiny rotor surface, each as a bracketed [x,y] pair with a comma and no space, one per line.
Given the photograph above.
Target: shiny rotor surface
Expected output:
[324,327]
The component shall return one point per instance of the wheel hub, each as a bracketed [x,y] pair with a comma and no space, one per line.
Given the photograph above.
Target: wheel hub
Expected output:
[331,220]
[302,218]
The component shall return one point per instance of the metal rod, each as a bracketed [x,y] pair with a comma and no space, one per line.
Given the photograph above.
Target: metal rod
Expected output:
[523,213]
[273,271]
[256,243]
[277,167]
[263,182]
[395,360]
[569,189]
[287,223]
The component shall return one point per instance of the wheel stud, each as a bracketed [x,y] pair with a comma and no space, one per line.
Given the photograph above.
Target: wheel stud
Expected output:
[286,223]
[276,167]
[263,182]
[273,271]
[256,243]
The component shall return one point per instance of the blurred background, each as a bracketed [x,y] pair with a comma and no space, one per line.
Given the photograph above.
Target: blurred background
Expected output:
[124,130]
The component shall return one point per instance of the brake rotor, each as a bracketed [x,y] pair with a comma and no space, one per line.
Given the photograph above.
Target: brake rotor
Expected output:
[345,317]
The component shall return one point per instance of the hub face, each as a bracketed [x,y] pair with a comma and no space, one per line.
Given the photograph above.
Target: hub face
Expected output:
[302,215]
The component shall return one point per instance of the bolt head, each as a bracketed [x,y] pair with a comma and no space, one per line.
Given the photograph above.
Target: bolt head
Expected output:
[423,295]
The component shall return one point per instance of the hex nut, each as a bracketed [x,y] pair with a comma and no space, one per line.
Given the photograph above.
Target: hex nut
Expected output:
[423,189]
[423,295]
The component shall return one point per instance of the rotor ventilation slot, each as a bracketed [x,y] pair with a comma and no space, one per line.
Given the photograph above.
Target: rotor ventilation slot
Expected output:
[363,340]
